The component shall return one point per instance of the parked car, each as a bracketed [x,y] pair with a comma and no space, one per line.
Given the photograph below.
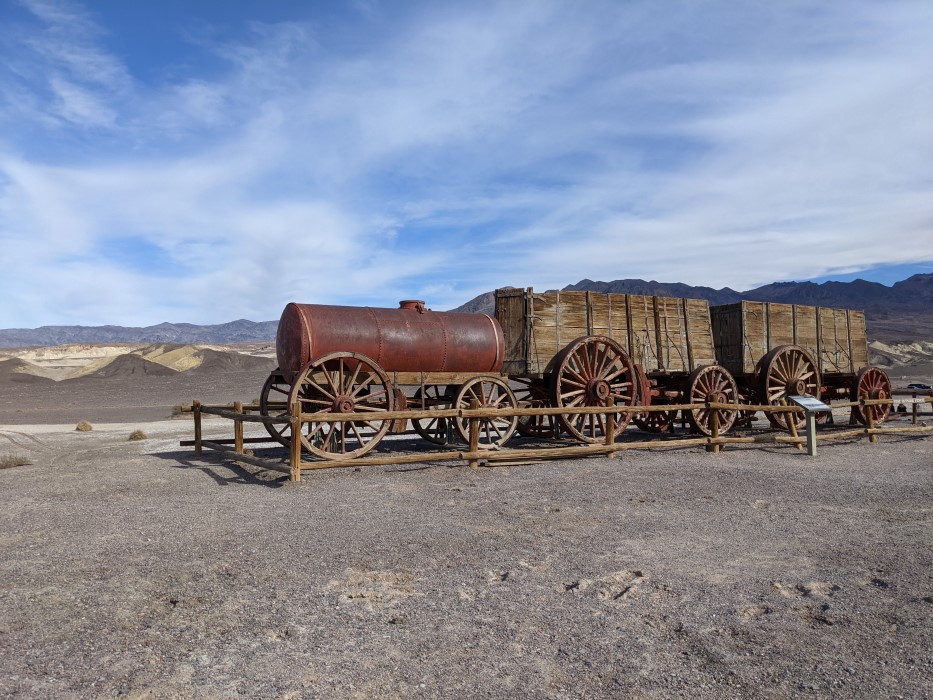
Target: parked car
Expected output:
[917,386]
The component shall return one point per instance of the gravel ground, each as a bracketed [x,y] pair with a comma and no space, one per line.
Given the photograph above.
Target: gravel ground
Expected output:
[132,569]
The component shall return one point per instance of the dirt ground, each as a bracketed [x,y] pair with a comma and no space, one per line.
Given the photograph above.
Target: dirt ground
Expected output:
[133,569]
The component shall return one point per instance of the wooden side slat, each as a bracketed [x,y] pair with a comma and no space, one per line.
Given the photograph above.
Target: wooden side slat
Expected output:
[643,332]
[780,325]
[754,335]
[699,329]
[858,340]
[806,326]
[510,311]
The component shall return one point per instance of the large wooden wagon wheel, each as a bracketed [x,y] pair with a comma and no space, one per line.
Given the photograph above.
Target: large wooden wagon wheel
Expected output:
[533,393]
[788,370]
[492,393]
[651,421]
[436,430]
[273,401]
[587,373]
[343,382]
[711,383]
[871,383]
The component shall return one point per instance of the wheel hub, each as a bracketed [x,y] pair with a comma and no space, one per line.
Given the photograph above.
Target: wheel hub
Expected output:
[598,390]
[717,397]
[796,387]
[877,394]
[342,404]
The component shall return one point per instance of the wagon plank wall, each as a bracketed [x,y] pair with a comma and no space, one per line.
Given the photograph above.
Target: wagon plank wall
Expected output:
[858,340]
[663,334]
[672,335]
[780,324]
[746,331]
[807,329]
[644,335]
[699,330]
[511,312]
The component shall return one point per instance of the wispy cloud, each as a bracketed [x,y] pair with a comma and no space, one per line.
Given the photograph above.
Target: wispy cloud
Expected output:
[443,151]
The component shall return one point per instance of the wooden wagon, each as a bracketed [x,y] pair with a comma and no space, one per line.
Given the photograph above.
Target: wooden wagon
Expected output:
[578,349]
[779,350]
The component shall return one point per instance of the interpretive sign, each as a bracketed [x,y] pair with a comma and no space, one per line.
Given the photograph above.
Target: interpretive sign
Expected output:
[810,404]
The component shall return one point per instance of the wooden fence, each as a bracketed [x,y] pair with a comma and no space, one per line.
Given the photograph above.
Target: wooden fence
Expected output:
[473,454]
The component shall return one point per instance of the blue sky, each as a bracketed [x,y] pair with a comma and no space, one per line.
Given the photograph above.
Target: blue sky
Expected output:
[207,161]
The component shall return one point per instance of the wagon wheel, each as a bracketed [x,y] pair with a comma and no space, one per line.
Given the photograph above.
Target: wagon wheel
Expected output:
[273,401]
[343,382]
[871,383]
[436,430]
[588,372]
[489,392]
[655,421]
[532,393]
[650,421]
[711,383]
[788,370]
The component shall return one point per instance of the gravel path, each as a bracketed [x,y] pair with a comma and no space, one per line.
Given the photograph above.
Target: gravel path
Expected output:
[131,569]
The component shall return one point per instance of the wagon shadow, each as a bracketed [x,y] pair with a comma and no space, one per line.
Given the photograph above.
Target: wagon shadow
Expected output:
[225,470]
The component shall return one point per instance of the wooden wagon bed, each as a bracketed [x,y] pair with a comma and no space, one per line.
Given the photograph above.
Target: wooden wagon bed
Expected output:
[662,334]
[747,331]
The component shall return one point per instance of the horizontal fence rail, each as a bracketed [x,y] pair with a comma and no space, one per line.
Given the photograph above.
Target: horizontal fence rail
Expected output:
[473,455]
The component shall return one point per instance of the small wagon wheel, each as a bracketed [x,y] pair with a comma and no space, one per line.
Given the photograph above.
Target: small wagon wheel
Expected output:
[273,401]
[788,370]
[871,383]
[489,392]
[655,421]
[651,421]
[436,430]
[589,372]
[533,393]
[343,382]
[716,384]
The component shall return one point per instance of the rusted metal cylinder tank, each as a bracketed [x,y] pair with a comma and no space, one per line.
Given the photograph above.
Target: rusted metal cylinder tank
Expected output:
[410,338]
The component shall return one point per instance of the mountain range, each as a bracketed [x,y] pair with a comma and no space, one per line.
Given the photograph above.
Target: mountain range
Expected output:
[241,331]
[902,312]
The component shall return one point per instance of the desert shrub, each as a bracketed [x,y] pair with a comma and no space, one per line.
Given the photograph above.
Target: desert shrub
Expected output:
[84,427]
[7,461]
[138,435]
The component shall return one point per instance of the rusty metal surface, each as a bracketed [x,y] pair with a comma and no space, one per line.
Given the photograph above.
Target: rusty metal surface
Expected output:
[408,339]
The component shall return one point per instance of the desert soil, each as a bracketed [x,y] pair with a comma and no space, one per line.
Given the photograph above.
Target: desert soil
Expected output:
[134,569]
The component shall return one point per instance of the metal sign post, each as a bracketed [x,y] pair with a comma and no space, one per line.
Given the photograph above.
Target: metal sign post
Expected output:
[812,406]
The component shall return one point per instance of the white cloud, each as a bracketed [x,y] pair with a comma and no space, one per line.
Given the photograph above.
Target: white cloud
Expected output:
[455,149]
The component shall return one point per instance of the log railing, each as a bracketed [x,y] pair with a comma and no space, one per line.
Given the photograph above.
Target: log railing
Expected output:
[472,454]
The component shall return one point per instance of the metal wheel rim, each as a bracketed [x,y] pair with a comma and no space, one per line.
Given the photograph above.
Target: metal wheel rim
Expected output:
[584,362]
[711,383]
[533,393]
[275,384]
[489,392]
[435,430]
[655,421]
[332,378]
[779,367]
[870,383]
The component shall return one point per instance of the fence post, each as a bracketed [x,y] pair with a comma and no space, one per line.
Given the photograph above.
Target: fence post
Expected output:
[196,409]
[713,447]
[870,419]
[914,410]
[238,428]
[611,423]
[294,412]
[474,435]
